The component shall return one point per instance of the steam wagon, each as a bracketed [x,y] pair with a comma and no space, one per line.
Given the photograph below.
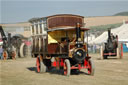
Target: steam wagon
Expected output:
[111,47]
[58,41]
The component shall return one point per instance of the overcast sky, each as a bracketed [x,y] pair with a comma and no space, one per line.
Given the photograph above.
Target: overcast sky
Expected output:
[13,11]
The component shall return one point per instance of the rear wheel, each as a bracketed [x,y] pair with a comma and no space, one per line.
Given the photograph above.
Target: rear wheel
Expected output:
[25,50]
[22,50]
[67,67]
[118,51]
[38,64]
[41,68]
[91,67]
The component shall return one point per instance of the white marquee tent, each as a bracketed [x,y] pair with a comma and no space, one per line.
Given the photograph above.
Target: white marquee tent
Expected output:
[121,31]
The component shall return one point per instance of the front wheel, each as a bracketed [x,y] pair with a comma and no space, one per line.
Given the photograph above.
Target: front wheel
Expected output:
[67,67]
[91,67]
[5,55]
[14,54]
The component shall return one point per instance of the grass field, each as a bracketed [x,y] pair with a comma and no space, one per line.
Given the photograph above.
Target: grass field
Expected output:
[23,72]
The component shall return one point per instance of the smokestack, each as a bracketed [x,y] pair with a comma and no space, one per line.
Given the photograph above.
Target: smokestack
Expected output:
[9,38]
[109,33]
[78,32]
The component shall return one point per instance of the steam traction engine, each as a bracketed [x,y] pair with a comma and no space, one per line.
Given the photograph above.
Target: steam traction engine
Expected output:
[58,41]
[111,47]
[9,49]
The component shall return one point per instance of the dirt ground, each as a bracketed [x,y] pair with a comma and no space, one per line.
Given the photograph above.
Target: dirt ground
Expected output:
[22,72]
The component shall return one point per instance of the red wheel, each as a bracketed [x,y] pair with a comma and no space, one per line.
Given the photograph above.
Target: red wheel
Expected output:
[38,64]
[91,67]
[67,69]
[5,55]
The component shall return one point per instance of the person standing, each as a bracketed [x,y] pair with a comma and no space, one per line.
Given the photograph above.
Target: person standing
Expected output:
[1,52]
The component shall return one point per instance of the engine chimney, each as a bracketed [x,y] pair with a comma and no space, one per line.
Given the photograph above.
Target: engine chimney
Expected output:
[109,34]
[78,32]
[9,38]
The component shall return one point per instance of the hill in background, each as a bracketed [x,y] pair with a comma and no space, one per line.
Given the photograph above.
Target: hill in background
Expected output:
[122,14]
[98,30]
[97,24]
